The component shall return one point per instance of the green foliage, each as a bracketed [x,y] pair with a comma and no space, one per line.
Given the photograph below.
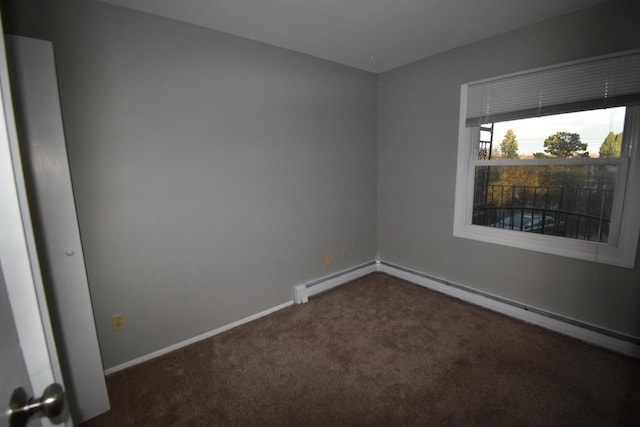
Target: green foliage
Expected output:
[516,175]
[567,177]
[509,145]
[612,145]
[565,145]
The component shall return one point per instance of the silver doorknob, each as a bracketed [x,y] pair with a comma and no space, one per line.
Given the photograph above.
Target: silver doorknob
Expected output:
[21,407]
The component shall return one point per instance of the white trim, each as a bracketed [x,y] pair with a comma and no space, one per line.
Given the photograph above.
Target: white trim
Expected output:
[304,291]
[625,228]
[301,293]
[197,338]
[595,335]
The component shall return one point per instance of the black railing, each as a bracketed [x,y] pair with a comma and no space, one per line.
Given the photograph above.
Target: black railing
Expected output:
[577,213]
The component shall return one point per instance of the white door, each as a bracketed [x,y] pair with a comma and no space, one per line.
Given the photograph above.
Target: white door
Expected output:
[15,384]
[26,331]
[13,373]
[40,130]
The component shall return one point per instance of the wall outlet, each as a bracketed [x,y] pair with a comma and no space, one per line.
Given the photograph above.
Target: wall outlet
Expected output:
[345,254]
[118,322]
[329,258]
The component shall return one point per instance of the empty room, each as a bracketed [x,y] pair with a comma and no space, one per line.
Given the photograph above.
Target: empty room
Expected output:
[358,212]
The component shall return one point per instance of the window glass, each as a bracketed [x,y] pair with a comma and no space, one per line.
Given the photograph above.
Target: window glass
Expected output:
[549,159]
[573,201]
[556,195]
[593,133]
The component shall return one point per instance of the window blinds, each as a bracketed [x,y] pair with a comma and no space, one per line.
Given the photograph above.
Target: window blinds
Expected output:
[594,83]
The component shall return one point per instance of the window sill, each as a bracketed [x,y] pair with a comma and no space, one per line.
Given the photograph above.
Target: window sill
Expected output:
[553,245]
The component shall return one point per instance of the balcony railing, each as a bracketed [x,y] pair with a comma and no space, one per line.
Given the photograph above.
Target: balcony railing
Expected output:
[576,213]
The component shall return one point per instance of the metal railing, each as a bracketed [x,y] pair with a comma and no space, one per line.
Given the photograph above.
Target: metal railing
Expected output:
[577,212]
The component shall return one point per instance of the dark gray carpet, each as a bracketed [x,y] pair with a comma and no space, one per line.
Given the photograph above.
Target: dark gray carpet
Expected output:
[380,352]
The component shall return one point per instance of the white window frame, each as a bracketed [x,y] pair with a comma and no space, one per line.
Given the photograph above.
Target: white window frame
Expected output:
[620,250]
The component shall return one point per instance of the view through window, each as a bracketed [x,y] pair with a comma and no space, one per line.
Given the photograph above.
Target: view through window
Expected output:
[553,175]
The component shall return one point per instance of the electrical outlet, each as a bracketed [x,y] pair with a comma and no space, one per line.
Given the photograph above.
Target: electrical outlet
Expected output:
[345,254]
[329,258]
[118,322]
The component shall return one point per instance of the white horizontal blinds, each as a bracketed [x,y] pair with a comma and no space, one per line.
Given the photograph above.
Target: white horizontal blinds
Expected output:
[597,83]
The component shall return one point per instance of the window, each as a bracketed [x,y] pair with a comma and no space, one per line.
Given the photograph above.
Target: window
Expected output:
[548,160]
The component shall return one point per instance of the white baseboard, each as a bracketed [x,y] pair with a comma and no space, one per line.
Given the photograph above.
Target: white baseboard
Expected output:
[301,293]
[591,334]
[196,338]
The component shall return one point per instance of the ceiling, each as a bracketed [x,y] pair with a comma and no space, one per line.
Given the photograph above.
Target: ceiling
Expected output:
[372,35]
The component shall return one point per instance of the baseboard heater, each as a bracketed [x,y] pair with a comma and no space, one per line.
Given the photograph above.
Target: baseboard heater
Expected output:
[595,335]
[301,293]
[601,337]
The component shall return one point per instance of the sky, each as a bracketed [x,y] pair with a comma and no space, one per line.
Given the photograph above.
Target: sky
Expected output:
[593,126]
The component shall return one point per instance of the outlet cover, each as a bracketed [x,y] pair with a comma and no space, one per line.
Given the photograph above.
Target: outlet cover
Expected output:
[118,322]
[329,258]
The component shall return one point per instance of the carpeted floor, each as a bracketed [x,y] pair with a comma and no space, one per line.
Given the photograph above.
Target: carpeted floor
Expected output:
[380,352]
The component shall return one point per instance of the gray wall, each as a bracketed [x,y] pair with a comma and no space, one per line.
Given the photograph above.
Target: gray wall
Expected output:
[211,173]
[418,108]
